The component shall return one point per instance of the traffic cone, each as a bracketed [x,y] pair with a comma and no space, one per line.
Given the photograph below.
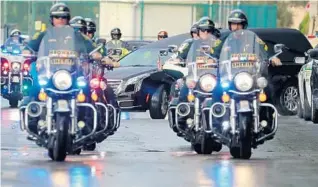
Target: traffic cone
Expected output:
[125,116]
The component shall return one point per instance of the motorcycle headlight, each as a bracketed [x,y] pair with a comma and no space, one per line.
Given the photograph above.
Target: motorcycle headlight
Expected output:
[207,82]
[81,82]
[262,82]
[136,79]
[62,80]
[16,66]
[243,81]
[190,82]
[43,80]
[16,51]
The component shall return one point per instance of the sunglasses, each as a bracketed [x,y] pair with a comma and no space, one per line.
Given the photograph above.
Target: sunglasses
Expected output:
[203,30]
[60,17]
[162,36]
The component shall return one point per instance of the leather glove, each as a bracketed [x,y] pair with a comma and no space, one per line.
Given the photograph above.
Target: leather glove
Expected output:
[276,62]
[97,56]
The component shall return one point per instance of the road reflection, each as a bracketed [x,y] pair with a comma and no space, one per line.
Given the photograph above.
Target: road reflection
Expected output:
[72,174]
[232,173]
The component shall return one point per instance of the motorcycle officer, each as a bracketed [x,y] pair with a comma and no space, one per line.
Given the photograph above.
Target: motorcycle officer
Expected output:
[162,35]
[116,42]
[15,38]
[79,24]
[206,28]
[90,33]
[237,20]
[91,28]
[59,17]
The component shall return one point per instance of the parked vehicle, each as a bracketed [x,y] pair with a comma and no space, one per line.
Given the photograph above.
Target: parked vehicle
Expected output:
[308,86]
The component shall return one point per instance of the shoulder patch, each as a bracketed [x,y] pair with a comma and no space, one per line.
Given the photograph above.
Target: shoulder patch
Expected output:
[218,42]
[36,35]
[265,47]
[258,40]
[212,51]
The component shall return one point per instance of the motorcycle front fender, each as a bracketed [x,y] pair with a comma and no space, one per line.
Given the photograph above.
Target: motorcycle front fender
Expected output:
[62,106]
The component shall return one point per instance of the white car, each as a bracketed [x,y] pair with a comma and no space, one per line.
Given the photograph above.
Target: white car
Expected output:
[308,87]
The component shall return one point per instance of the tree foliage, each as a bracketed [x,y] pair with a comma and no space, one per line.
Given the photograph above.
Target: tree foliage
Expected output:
[284,15]
[304,25]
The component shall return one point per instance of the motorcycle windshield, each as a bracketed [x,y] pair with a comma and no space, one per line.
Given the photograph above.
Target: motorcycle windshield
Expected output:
[61,49]
[199,59]
[242,52]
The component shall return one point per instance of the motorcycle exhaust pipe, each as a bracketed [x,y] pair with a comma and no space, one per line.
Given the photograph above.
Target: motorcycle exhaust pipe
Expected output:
[183,109]
[218,110]
[35,110]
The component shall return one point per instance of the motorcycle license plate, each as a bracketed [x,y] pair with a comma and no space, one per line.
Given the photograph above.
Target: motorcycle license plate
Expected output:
[15,79]
[244,105]
[62,104]
[15,59]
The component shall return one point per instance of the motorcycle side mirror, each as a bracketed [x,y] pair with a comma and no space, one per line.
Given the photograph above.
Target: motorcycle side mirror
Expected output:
[173,48]
[205,48]
[101,41]
[163,52]
[278,48]
[300,60]
[313,53]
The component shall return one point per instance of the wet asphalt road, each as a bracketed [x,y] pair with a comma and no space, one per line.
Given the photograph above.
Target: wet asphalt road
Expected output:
[146,153]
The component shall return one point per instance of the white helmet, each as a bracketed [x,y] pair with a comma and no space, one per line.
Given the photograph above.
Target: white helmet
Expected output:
[15,32]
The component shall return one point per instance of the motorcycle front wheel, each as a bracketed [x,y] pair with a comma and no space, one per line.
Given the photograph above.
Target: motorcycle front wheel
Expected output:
[244,150]
[59,150]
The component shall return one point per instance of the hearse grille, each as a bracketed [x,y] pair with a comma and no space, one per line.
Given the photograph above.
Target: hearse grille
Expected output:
[113,83]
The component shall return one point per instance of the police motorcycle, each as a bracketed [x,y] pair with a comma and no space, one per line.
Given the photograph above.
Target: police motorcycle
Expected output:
[15,74]
[63,110]
[185,116]
[238,121]
[108,116]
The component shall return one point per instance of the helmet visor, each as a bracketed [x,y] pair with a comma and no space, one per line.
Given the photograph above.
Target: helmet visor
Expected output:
[116,36]
[60,16]
[236,20]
